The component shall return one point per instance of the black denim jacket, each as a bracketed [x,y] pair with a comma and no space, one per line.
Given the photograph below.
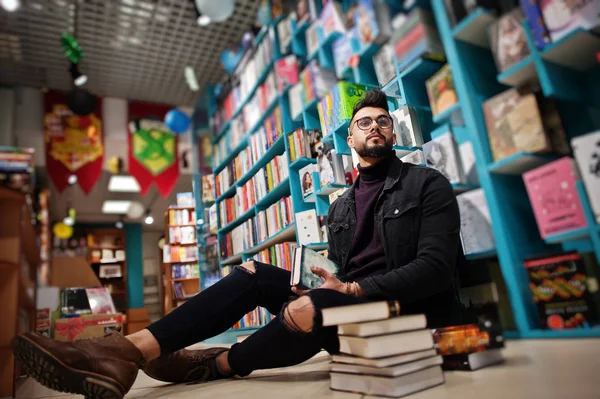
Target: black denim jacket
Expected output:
[419,223]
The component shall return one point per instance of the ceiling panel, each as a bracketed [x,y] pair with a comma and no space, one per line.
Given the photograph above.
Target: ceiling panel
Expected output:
[132,48]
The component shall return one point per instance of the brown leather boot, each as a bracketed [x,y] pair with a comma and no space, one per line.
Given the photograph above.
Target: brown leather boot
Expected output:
[100,368]
[186,366]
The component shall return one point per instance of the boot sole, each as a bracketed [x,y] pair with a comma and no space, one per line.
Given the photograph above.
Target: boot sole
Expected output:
[52,373]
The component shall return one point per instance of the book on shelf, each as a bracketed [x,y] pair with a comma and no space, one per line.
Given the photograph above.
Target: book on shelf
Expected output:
[441,153]
[185,199]
[182,235]
[100,301]
[406,127]
[175,253]
[182,216]
[307,225]
[520,120]
[287,71]
[17,169]
[417,37]
[316,82]
[467,161]
[302,275]
[562,18]
[343,50]
[416,157]
[184,271]
[559,288]
[284,32]
[307,176]
[373,22]
[441,90]
[508,40]
[552,191]
[383,62]
[475,222]
[110,271]
[208,188]
[295,95]
[586,149]
[335,107]
[536,23]
[330,166]
[331,19]
[280,255]
[312,38]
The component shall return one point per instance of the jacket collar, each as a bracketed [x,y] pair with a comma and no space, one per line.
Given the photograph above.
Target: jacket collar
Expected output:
[392,178]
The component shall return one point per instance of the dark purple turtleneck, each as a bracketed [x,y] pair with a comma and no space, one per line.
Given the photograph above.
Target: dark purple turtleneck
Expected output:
[367,257]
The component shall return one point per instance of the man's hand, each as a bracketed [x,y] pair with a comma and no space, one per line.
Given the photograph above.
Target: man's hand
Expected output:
[330,282]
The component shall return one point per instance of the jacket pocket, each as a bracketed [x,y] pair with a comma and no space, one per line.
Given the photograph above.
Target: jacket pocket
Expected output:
[400,225]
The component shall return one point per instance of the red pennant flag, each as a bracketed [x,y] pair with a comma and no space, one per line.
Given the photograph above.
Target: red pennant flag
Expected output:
[152,150]
[73,144]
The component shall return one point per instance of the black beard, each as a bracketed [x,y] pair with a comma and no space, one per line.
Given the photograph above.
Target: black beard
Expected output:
[376,151]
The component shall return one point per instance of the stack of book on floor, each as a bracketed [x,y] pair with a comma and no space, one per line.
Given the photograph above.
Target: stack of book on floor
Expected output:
[469,347]
[382,353]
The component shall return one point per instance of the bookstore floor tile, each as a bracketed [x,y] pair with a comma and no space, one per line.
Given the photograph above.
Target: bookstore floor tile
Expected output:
[533,368]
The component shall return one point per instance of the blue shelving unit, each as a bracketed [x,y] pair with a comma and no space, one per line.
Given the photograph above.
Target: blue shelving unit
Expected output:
[476,79]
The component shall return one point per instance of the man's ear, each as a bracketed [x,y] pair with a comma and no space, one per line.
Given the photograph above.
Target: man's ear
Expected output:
[350,140]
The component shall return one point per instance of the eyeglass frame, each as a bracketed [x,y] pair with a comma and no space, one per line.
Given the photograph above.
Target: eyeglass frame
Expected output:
[372,121]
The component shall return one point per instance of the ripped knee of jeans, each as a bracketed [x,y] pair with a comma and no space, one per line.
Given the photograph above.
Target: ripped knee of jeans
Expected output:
[248,267]
[299,315]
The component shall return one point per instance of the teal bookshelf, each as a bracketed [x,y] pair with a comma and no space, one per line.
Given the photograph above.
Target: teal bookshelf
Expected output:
[566,72]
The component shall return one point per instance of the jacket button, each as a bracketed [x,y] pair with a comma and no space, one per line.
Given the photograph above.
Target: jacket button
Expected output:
[396,212]
[346,226]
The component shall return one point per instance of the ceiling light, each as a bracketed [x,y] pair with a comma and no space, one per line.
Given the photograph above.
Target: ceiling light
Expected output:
[116,207]
[190,77]
[119,224]
[10,5]
[78,78]
[123,184]
[69,221]
[203,20]
[72,180]
[149,219]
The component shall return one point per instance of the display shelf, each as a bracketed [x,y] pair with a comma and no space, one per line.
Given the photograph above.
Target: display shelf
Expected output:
[227,194]
[182,244]
[182,225]
[241,219]
[288,233]
[392,88]
[593,332]
[185,279]
[447,114]
[223,130]
[277,148]
[107,247]
[182,207]
[330,188]
[317,246]
[577,50]
[482,255]
[232,154]
[521,73]
[302,162]
[232,260]
[412,81]
[278,192]
[461,188]
[571,235]
[520,163]
[473,29]
[174,262]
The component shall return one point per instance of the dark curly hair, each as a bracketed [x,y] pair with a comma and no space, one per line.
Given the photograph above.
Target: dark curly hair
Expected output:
[373,98]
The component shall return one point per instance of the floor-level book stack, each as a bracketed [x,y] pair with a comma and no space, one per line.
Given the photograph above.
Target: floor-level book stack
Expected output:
[391,356]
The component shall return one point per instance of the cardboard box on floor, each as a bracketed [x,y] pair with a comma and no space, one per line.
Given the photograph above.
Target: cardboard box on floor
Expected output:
[87,326]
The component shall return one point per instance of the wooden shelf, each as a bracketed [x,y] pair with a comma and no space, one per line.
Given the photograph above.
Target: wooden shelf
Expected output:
[181,261]
[185,279]
[177,207]
[115,247]
[182,225]
[179,244]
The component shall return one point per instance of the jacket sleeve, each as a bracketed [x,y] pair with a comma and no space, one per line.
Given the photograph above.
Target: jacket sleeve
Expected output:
[332,251]
[433,269]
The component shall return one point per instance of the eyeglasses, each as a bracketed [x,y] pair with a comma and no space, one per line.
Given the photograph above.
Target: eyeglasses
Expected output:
[384,122]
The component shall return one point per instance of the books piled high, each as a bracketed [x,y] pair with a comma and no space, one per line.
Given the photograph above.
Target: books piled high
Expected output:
[381,354]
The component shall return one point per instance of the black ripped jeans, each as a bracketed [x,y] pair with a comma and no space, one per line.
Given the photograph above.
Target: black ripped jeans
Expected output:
[220,306]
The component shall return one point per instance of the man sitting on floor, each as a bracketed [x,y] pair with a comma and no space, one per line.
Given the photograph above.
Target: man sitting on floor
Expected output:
[394,234]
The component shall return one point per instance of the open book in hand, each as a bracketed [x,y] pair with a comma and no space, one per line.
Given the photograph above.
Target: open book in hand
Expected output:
[305,258]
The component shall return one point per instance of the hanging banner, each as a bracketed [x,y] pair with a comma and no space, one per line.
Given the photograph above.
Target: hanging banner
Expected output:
[73,144]
[152,149]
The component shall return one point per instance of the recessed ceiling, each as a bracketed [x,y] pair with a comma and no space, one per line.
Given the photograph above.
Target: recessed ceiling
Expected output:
[135,49]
